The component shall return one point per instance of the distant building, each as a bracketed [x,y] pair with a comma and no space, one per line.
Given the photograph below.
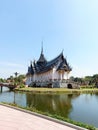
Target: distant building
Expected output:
[45,73]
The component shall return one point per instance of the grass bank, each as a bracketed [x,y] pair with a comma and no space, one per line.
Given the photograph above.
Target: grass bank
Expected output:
[89,127]
[57,90]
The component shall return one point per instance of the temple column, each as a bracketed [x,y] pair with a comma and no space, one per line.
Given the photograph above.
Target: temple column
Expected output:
[67,75]
[30,78]
[34,77]
[52,75]
[61,76]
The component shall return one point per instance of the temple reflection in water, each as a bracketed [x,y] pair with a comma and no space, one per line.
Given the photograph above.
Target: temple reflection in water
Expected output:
[60,104]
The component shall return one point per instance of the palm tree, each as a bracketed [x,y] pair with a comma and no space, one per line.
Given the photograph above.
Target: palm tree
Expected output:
[16,73]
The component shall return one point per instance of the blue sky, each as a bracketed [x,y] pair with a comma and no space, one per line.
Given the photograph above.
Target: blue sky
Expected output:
[71,25]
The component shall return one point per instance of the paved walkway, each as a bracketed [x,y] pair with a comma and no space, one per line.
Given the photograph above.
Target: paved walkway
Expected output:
[12,119]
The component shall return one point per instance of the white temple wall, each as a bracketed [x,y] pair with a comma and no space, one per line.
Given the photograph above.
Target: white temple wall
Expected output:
[29,80]
[47,76]
[66,75]
[59,75]
[56,75]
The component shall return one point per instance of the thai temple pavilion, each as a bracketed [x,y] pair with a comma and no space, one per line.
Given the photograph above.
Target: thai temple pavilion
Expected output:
[43,73]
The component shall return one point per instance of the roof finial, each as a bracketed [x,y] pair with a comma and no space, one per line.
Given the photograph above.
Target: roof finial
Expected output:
[30,62]
[42,48]
[62,51]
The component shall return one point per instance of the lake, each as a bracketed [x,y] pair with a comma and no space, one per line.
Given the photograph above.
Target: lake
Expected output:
[78,107]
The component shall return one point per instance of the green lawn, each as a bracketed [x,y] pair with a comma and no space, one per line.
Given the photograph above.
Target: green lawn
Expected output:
[57,90]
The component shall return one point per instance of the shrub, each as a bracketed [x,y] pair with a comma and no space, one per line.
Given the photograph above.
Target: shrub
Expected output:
[22,86]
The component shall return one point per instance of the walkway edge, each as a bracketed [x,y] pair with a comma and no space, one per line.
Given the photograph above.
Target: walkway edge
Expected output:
[45,117]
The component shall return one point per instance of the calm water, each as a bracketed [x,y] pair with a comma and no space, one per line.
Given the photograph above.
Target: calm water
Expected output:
[83,108]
